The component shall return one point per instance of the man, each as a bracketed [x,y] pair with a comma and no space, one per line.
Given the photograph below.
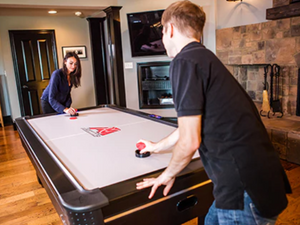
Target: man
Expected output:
[215,113]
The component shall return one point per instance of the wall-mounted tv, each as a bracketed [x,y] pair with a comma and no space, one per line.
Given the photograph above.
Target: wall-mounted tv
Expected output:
[145,31]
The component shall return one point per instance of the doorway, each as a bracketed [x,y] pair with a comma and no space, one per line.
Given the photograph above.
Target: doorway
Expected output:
[35,58]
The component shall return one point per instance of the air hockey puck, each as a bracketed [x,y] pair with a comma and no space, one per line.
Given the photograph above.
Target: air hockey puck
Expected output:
[76,114]
[73,118]
[143,155]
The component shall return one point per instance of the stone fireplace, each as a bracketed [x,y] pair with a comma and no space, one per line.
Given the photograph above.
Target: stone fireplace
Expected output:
[245,50]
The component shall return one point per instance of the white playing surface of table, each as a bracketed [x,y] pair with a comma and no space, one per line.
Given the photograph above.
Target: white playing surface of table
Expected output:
[96,162]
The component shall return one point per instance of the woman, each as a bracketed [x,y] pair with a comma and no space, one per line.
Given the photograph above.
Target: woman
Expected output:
[57,95]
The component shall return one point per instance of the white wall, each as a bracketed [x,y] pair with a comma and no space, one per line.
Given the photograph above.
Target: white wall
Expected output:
[130,75]
[4,100]
[69,31]
[1,60]
[232,14]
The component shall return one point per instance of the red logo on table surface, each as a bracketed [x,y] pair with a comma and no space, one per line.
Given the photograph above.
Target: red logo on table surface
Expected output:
[100,131]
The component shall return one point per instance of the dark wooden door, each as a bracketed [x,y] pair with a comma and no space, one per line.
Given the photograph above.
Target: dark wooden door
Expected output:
[35,58]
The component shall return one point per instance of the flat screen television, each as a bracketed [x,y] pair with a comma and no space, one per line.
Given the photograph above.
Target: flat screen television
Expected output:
[145,31]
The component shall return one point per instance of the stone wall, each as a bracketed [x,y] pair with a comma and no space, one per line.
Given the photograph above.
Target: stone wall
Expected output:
[246,49]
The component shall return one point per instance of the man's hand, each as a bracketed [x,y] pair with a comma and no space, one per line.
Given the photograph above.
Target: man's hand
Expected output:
[187,139]
[164,144]
[150,146]
[163,179]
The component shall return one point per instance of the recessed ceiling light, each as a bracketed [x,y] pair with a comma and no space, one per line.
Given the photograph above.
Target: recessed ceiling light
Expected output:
[78,13]
[52,12]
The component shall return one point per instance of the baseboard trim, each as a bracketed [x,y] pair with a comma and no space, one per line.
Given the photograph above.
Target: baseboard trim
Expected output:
[7,120]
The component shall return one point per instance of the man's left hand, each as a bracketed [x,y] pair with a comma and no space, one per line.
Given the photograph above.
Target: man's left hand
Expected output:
[163,179]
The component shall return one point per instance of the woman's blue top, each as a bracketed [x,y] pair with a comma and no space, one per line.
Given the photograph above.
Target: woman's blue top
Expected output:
[58,92]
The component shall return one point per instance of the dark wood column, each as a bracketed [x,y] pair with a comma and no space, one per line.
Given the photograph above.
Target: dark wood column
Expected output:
[97,36]
[115,54]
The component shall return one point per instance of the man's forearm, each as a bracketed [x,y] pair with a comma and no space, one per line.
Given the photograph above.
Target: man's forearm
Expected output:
[188,142]
[180,159]
[169,141]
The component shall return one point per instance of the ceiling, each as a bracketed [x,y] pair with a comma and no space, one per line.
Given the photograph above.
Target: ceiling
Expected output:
[42,10]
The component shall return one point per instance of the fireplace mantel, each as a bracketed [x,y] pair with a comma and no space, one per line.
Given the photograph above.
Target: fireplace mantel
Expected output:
[260,64]
[285,11]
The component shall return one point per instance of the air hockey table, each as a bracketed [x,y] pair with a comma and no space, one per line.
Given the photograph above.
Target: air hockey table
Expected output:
[89,168]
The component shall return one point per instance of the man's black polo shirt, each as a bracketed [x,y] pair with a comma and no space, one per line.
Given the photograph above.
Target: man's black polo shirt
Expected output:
[236,150]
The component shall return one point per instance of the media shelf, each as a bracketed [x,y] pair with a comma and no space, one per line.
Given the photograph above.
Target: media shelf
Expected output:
[154,83]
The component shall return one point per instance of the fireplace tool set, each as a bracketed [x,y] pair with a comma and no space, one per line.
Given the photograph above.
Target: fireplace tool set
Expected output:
[297,59]
[273,103]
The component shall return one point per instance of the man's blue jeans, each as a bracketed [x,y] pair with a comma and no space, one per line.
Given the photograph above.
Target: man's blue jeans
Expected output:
[249,216]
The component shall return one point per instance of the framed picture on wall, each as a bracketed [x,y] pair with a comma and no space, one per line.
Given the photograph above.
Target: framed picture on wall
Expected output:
[79,50]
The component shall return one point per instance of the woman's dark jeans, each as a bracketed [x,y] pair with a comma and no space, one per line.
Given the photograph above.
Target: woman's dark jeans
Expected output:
[46,107]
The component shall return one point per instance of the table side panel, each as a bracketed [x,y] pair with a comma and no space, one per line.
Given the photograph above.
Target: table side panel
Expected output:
[132,198]
[166,210]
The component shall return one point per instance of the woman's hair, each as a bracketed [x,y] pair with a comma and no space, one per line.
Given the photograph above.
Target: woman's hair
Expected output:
[188,17]
[76,74]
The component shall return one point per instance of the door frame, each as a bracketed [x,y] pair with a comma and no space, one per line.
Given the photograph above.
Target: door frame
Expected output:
[12,33]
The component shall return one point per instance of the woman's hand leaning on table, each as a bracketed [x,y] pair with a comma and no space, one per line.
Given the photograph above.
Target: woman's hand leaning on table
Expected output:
[70,111]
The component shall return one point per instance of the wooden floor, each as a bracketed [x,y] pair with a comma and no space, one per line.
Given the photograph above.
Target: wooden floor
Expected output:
[24,202]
